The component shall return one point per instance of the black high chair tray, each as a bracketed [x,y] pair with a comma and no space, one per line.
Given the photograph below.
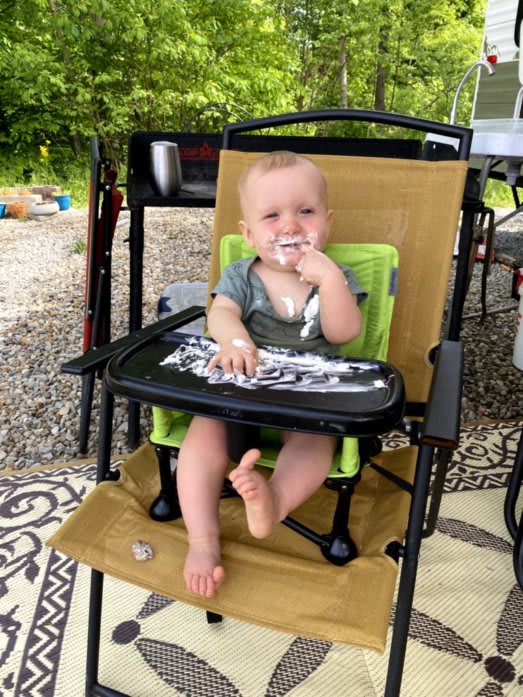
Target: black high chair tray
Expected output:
[292,390]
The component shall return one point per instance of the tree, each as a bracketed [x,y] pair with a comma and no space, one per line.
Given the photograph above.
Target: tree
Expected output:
[72,68]
[397,55]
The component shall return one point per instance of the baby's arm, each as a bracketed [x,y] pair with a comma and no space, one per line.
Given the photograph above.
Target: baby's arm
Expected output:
[339,313]
[237,352]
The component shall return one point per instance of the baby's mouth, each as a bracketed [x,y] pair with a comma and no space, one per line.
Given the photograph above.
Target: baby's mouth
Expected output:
[290,245]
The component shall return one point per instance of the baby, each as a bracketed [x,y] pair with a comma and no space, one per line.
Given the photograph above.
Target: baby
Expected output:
[289,295]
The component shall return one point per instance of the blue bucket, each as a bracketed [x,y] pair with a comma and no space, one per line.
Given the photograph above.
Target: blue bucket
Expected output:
[2,210]
[63,201]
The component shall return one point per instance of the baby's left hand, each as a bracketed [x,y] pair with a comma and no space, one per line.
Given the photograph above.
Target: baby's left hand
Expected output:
[314,266]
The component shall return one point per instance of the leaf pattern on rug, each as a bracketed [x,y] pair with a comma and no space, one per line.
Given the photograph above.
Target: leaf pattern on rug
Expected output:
[474,535]
[436,635]
[503,450]
[301,659]
[509,631]
[188,673]
[491,689]
[509,635]
[18,552]
[154,603]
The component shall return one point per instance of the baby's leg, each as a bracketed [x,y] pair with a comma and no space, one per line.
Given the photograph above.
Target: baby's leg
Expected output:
[302,466]
[202,463]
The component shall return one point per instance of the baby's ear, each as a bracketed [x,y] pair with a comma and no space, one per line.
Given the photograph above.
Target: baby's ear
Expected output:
[244,229]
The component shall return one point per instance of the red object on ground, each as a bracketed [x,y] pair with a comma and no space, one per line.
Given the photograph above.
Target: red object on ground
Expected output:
[518,273]
[93,266]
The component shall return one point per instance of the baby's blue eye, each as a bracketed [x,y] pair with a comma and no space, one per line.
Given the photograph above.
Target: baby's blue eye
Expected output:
[306,211]
[272,215]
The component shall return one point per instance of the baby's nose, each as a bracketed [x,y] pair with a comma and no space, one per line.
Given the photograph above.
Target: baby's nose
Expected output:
[290,226]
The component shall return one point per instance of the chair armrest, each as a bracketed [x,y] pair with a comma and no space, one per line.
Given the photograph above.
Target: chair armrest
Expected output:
[99,357]
[441,424]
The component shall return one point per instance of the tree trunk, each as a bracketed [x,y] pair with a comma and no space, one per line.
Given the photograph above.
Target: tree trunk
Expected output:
[381,70]
[343,72]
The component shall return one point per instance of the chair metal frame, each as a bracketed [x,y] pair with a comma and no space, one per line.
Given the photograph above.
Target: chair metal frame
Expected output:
[514,527]
[105,203]
[439,431]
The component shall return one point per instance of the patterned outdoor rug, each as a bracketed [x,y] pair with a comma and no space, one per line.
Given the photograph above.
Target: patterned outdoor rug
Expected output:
[466,629]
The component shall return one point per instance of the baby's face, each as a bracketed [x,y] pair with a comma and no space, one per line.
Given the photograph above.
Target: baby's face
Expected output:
[284,211]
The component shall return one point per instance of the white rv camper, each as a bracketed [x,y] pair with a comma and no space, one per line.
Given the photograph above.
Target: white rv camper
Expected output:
[496,98]
[497,113]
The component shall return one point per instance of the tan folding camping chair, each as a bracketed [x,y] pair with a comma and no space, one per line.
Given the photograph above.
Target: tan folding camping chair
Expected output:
[383,191]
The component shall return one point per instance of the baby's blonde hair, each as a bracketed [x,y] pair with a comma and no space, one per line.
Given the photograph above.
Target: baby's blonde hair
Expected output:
[278,159]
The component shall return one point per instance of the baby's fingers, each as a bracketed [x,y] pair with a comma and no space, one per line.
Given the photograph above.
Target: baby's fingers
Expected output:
[217,360]
[250,363]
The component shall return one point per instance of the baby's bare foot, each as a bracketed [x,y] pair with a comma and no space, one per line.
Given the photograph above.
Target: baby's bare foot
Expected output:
[203,571]
[260,502]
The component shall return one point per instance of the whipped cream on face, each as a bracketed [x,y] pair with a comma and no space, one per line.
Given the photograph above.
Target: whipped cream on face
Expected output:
[283,245]
[289,241]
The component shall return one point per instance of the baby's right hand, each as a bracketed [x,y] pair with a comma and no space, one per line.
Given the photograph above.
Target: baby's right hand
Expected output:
[237,356]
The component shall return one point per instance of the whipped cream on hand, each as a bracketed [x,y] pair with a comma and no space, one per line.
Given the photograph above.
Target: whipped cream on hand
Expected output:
[314,266]
[236,356]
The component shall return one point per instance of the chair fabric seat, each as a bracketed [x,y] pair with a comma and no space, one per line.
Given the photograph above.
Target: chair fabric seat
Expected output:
[272,582]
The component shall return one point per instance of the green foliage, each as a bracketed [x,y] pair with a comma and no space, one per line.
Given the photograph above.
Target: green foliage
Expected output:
[60,168]
[398,55]
[72,68]
[498,194]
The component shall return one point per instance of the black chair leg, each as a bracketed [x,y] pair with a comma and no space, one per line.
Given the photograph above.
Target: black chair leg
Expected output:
[408,573]
[93,633]
[340,548]
[518,554]
[513,488]
[213,617]
[489,246]
[166,505]
[443,458]
[103,473]
[511,498]
[85,409]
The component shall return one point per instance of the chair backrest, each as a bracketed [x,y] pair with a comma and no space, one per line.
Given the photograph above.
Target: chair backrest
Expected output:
[413,205]
[376,268]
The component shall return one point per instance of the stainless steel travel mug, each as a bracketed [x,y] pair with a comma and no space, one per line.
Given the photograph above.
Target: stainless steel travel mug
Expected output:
[166,170]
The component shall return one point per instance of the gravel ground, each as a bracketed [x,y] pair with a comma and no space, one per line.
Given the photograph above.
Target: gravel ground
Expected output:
[41,302]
